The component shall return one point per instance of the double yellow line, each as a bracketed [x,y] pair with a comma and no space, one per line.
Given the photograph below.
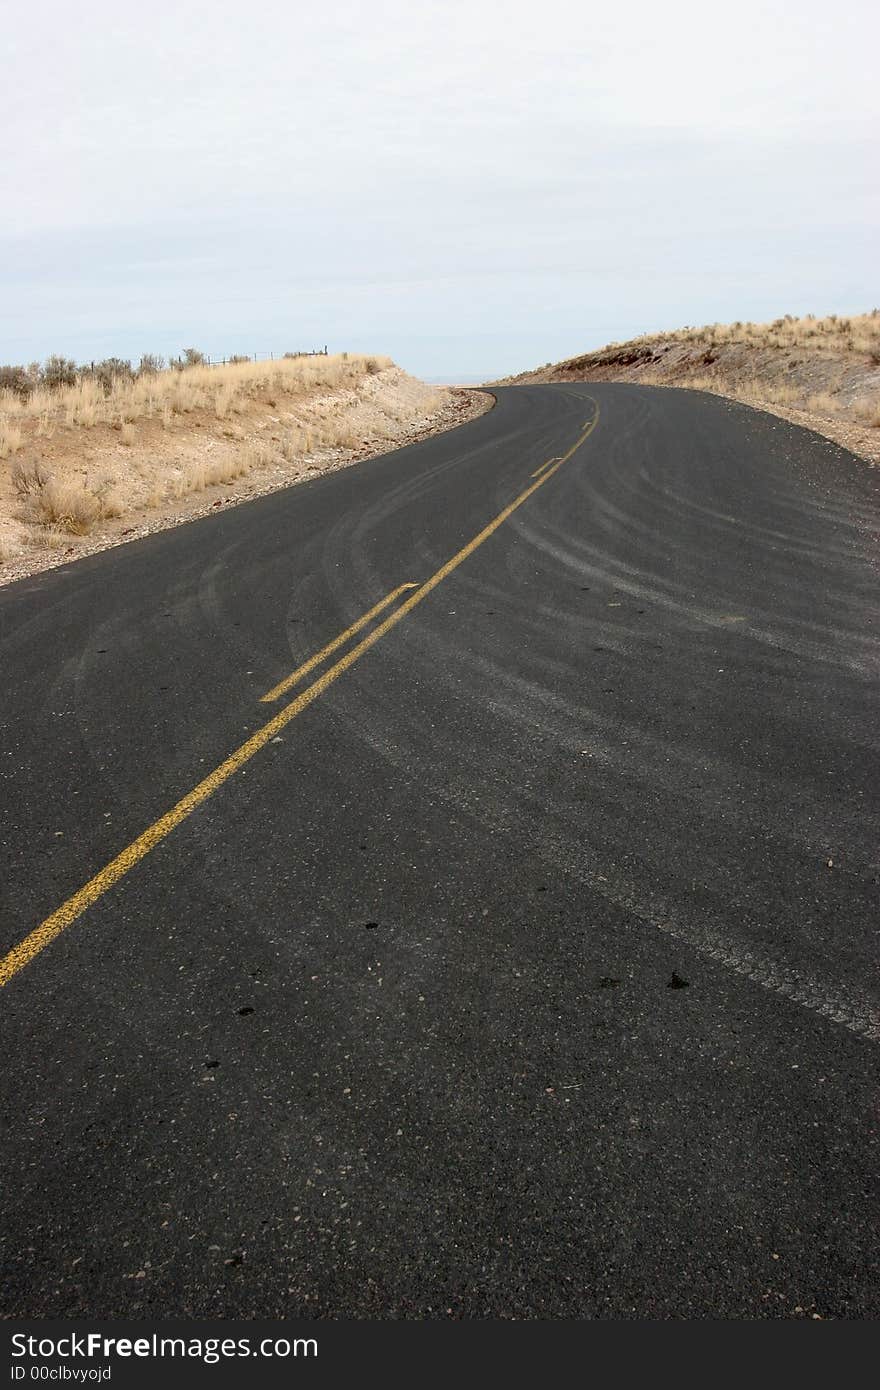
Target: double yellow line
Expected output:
[538,471]
[296,676]
[42,936]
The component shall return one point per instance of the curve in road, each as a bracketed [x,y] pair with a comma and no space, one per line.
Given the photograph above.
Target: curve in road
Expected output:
[532,970]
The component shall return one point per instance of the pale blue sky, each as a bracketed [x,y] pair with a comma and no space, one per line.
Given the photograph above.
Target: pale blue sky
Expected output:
[472,188]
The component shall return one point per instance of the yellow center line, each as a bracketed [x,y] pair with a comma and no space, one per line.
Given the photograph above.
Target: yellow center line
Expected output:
[43,935]
[283,686]
[538,471]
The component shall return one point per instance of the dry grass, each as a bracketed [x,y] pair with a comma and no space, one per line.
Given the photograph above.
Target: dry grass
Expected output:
[61,504]
[822,403]
[50,538]
[82,404]
[858,334]
[67,506]
[28,480]
[756,390]
[868,412]
[10,437]
[86,455]
[217,390]
[171,473]
[293,445]
[197,476]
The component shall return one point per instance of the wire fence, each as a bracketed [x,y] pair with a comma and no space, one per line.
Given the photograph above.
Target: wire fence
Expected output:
[58,372]
[261,357]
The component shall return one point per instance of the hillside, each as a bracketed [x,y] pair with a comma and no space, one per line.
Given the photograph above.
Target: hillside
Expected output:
[822,373]
[92,457]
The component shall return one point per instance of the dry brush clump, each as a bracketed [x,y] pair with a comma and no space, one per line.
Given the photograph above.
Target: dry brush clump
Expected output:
[868,411]
[10,437]
[62,504]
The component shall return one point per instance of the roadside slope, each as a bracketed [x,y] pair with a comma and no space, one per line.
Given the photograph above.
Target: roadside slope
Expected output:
[820,373]
[86,467]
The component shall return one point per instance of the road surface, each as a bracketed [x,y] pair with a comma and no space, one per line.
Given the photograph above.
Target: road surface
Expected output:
[519,957]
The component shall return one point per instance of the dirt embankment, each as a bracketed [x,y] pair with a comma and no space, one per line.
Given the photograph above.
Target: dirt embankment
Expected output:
[83,469]
[821,373]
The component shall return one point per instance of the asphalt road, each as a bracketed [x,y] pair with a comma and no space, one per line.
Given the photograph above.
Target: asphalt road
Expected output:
[385,1026]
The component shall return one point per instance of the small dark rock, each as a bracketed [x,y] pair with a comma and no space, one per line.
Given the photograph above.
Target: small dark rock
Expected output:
[212,1062]
[246,1010]
[677,982]
[370,925]
[607,982]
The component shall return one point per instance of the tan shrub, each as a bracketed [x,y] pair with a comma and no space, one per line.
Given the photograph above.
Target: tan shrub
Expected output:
[224,401]
[822,403]
[86,403]
[10,437]
[110,500]
[68,506]
[61,504]
[28,479]
[291,445]
[868,412]
[195,479]
[254,456]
